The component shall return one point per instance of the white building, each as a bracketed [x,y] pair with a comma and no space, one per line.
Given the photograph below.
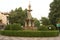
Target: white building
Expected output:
[3,20]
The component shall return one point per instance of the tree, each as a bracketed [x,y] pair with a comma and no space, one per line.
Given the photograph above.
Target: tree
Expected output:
[36,22]
[54,11]
[45,21]
[18,16]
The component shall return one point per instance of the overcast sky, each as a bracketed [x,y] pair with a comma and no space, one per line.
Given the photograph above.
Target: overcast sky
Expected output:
[40,7]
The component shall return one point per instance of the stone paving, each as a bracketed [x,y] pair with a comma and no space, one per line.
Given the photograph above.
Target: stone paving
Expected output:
[29,38]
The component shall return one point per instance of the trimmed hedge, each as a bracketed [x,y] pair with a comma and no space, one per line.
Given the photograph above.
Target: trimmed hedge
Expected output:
[13,27]
[30,33]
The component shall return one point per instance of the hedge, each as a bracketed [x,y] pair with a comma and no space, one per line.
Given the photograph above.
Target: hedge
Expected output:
[13,27]
[43,27]
[30,33]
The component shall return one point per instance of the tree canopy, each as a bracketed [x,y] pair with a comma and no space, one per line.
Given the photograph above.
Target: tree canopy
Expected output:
[18,16]
[36,22]
[45,21]
[54,12]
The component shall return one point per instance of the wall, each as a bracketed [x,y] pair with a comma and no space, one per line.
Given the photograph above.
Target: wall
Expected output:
[3,18]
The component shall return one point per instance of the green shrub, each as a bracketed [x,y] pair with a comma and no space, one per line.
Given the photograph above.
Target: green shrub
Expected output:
[30,33]
[43,27]
[52,27]
[13,27]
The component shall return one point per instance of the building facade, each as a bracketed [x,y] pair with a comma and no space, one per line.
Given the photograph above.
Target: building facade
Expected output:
[3,20]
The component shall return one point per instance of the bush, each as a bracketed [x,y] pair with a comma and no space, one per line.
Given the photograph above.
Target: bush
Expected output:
[30,33]
[49,27]
[43,27]
[52,27]
[13,27]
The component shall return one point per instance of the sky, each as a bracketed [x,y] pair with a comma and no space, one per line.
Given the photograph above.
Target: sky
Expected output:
[40,8]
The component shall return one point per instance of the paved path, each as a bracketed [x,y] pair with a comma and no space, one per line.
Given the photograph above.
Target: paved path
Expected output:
[29,38]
